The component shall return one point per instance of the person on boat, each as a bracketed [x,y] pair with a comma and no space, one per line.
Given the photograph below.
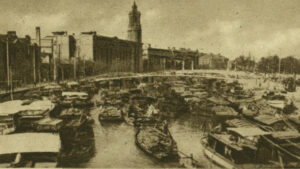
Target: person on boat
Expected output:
[17,161]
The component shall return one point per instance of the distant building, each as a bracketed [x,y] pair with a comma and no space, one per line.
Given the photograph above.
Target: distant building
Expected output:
[212,61]
[156,59]
[64,46]
[23,60]
[59,47]
[110,54]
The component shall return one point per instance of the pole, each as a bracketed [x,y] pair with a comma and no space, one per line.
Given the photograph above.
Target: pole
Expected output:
[74,64]
[83,65]
[34,73]
[11,86]
[7,62]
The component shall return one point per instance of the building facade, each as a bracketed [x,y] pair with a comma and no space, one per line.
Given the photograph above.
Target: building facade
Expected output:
[19,60]
[212,61]
[57,55]
[110,54]
[156,59]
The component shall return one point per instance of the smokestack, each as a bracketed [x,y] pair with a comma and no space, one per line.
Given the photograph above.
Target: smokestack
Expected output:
[38,36]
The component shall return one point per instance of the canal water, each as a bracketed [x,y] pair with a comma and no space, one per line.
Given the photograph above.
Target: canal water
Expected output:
[115,143]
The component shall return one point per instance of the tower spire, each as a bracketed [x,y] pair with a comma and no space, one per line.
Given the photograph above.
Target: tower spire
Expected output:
[134,5]
[134,26]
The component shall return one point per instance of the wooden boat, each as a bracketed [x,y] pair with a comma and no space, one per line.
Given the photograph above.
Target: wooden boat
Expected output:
[75,99]
[70,113]
[9,116]
[52,89]
[157,143]
[248,147]
[49,124]
[31,151]
[34,111]
[225,151]
[110,113]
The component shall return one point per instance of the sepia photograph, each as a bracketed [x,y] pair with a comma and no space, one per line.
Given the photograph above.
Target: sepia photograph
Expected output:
[150,84]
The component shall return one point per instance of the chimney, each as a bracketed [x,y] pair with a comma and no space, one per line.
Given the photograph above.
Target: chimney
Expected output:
[11,33]
[38,36]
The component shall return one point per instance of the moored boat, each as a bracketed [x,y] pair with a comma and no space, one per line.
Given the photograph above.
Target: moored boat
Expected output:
[110,113]
[248,147]
[157,143]
[33,150]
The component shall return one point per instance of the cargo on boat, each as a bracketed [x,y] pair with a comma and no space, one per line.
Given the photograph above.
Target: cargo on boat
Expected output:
[157,142]
[32,112]
[75,99]
[71,113]
[48,124]
[109,113]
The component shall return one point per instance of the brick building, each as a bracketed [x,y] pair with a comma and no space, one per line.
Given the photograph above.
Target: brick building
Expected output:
[23,59]
[110,54]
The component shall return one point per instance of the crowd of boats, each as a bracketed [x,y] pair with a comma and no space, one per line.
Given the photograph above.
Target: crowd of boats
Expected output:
[256,128]
[47,127]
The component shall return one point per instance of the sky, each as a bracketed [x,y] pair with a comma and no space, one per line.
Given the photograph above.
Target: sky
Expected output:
[229,27]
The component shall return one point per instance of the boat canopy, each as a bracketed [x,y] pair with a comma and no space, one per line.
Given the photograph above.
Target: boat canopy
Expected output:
[49,121]
[10,107]
[286,134]
[267,119]
[248,131]
[74,94]
[39,105]
[72,83]
[30,143]
[280,104]
[218,100]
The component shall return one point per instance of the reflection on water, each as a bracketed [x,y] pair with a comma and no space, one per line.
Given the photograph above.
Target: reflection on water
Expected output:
[115,143]
[188,130]
[115,148]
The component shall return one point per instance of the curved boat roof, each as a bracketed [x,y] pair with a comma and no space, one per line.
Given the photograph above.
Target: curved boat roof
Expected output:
[11,107]
[15,106]
[74,94]
[30,143]
[248,131]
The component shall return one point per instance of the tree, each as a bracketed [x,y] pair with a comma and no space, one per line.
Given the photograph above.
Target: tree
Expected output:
[244,63]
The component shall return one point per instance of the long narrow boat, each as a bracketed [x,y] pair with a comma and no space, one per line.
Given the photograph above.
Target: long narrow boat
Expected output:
[157,143]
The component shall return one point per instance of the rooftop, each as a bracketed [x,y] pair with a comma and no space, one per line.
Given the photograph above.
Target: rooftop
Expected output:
[248,131]
[29,143]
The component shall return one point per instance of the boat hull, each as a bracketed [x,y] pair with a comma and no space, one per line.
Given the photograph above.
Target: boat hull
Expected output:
[218,159]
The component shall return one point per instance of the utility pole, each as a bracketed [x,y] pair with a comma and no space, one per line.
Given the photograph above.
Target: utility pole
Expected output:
[53,60]
[8,69]
[11,85]
[38,41]
[61,68]
[74,64]
[7,62]
[83,65]
[34,73]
